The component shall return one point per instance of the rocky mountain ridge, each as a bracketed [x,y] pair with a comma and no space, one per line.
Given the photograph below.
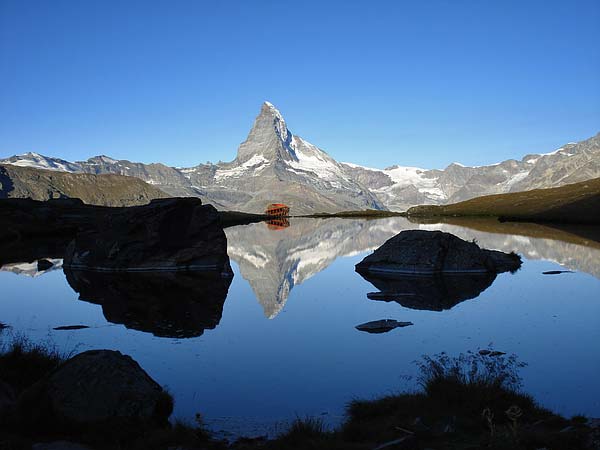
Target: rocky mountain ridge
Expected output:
[103,190]
[274,165]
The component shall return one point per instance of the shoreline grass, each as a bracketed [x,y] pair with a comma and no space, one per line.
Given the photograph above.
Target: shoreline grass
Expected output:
[359,214]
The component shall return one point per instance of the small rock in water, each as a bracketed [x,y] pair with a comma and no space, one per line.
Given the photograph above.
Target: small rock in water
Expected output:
[556,272]
[381,326]
[70,327]
[44,264]
[484,352]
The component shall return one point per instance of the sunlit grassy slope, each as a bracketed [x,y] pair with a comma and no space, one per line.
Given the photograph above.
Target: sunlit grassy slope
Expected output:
[573,203]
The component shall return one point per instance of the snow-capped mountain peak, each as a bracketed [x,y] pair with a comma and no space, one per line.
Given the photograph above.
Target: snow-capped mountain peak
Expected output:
[37,161]
[269,137]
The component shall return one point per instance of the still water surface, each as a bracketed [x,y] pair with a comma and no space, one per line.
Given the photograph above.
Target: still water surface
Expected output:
[284,343]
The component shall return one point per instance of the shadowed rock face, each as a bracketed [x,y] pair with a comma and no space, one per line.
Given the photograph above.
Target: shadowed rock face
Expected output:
[170,234]
[434,252]
[166,304]
[431,293]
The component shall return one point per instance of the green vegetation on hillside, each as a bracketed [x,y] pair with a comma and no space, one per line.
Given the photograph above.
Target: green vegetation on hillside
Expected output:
[573,203]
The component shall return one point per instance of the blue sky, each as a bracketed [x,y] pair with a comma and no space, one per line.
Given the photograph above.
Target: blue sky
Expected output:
[374,82]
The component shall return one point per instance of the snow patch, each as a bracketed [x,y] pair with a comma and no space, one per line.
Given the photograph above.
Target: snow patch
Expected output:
[257,163]
[310,158]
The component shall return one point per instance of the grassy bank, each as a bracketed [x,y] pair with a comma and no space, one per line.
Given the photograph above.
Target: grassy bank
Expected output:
[233,218]
[465,402]
[364,214]
[573,203]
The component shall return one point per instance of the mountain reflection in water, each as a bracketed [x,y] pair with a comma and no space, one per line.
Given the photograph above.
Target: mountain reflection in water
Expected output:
[277,255]
[166,304]
[273,262]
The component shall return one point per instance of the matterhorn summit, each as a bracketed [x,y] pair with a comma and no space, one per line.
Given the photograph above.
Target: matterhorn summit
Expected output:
[269,137]
[280,167]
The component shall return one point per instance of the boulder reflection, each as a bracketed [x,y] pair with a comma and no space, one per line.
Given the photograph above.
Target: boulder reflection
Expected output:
[431,293]
[166,304]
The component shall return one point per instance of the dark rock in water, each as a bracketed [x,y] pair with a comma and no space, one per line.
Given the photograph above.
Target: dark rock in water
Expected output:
[70,327]
[420,252]
[433,293]
[556,272]
[44,264]
[166,235]
[432,270]
[166,304]
[97,386]
[486,352]
[381,326]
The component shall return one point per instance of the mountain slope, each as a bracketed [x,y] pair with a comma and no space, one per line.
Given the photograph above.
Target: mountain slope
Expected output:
[401,187]
[105,190]
[575,203]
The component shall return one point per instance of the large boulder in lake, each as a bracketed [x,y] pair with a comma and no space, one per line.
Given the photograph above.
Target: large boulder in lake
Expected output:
[166,304]
[165,235]
[94,387]
[423,252]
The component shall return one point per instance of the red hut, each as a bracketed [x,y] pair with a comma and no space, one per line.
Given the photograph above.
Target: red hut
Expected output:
[277,210]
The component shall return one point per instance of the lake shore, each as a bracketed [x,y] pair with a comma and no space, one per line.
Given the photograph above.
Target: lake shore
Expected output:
[469,401]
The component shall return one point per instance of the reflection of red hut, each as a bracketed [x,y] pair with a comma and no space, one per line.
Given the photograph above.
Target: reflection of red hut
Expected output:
[277,210]
[278,224]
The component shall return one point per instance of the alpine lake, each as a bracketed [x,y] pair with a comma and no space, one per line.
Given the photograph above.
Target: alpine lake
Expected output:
[278,341]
